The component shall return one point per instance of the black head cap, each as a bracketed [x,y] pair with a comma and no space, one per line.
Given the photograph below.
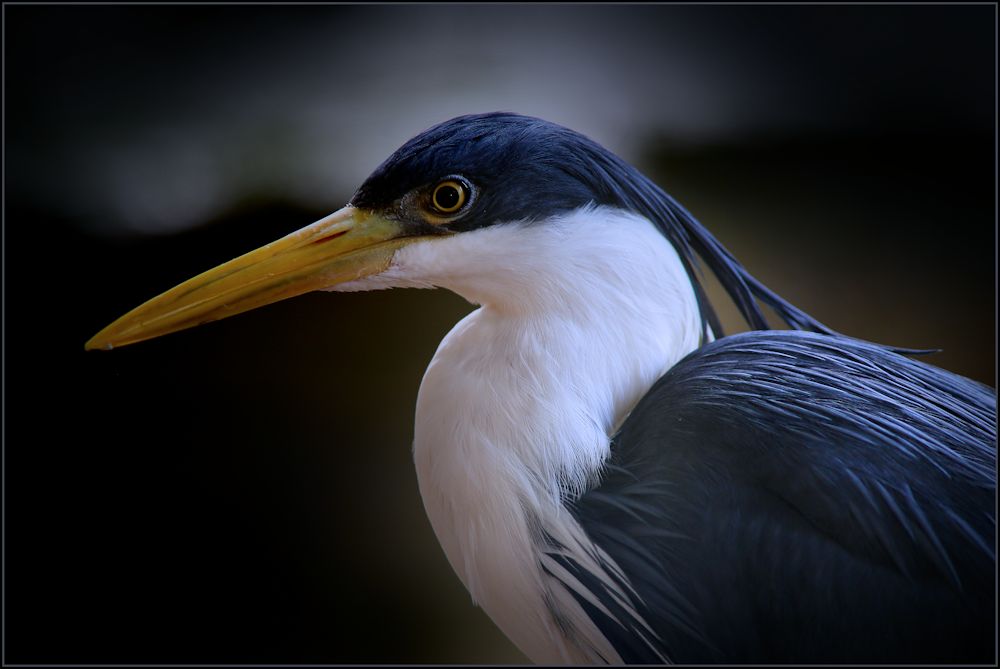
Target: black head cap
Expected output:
[520,168]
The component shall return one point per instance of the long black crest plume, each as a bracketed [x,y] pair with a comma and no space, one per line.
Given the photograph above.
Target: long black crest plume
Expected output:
[635,191]
[692,240]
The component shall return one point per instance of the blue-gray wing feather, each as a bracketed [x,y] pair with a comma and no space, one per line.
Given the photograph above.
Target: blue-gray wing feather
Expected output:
[799,497]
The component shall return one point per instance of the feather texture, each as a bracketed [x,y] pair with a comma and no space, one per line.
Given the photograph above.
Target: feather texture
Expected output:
[794,497]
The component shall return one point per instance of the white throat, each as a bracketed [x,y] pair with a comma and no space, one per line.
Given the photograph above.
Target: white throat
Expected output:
[579,316]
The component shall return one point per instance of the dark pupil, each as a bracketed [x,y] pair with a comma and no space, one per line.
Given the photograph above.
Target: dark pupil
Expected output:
[447,197]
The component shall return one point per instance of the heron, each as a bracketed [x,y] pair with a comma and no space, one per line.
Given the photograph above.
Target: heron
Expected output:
[612,478]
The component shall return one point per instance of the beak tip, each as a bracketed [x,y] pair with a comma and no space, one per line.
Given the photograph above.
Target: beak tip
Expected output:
[95,344]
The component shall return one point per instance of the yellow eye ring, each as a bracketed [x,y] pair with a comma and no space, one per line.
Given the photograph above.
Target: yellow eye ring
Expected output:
[449,196]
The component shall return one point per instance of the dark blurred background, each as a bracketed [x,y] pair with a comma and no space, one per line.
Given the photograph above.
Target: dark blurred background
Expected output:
[244,492]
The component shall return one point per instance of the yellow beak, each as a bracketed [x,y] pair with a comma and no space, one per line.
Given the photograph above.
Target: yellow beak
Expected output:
[346,245]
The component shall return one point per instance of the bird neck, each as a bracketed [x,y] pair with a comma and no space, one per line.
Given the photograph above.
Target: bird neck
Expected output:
[579,317]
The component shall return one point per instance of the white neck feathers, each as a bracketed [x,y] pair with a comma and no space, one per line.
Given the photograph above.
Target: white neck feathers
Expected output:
[580,315]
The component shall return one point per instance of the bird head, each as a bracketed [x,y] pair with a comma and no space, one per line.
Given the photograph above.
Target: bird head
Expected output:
[466,174]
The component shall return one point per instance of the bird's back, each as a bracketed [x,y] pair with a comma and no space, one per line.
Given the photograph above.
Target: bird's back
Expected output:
[785,496]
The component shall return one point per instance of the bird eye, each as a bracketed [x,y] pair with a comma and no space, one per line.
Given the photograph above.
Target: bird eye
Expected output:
[449,196]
